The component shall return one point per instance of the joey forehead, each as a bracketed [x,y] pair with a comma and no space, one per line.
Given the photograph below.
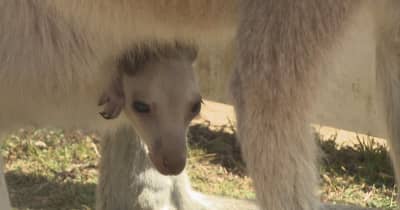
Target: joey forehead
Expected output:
[163,80]
[167,69]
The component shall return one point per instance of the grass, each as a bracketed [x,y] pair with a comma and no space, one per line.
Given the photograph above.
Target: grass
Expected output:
[51,169]
[361,174]
[54,169]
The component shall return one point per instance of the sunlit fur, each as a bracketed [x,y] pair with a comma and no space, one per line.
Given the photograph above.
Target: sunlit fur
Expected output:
[57,56]
[282,48]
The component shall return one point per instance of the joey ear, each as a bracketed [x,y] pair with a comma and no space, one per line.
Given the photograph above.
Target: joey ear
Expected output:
[112,109]
[113,100]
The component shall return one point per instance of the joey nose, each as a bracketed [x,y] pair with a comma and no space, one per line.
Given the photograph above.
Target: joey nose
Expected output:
[174,163]
[169,159]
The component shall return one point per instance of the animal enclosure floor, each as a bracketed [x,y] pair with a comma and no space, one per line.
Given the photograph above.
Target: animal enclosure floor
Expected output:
[56,169]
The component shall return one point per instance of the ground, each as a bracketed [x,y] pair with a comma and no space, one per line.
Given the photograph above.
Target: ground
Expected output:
[56,169]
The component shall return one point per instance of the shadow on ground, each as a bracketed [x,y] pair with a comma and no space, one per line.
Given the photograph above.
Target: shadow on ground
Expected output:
[29,191]
[366,161]
[220,144]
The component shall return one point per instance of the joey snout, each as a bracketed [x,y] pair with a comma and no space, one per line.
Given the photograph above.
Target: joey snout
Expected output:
[168,155]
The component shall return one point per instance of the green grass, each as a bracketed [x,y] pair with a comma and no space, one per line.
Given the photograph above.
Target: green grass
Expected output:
[54,169]
[51,169]
[361,174]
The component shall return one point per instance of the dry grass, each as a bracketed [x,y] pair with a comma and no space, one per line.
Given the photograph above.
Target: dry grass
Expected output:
[53,169]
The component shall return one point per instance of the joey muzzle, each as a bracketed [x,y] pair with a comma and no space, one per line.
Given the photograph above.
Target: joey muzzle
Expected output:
[169,159]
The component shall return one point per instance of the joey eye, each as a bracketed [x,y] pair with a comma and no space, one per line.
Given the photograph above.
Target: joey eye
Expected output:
[140,107]
[196,107]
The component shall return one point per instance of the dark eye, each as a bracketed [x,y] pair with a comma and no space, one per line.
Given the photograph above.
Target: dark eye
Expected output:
[196,107]
[141,107]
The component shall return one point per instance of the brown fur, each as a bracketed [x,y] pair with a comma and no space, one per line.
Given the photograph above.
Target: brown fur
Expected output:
[388,74]
[281,44]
